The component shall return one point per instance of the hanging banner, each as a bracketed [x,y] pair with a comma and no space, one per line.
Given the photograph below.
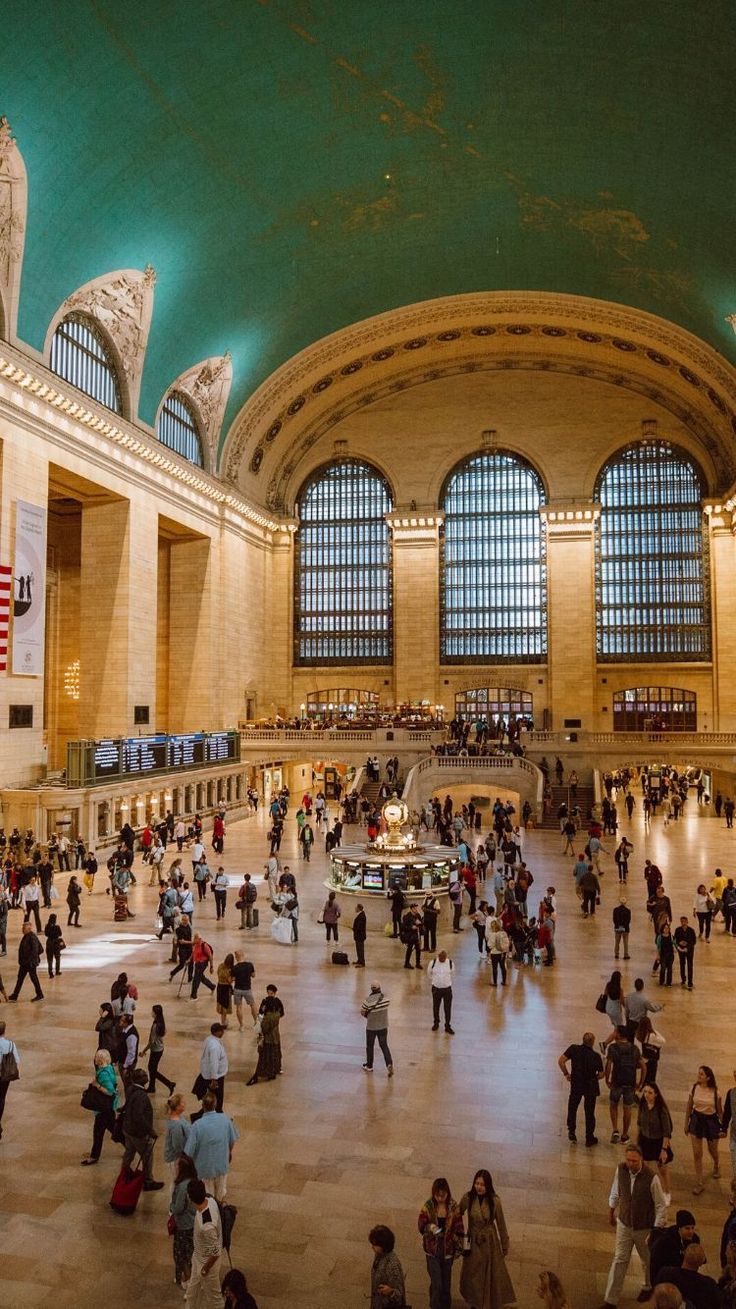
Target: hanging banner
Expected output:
[6,584]
[29,589]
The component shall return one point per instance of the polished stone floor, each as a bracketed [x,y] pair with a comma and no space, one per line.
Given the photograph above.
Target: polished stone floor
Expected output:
[327,1150]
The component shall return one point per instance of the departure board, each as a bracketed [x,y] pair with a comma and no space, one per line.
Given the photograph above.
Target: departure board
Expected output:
[89,762]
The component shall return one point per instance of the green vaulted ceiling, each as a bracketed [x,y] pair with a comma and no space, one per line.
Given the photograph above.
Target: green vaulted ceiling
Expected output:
[291,167]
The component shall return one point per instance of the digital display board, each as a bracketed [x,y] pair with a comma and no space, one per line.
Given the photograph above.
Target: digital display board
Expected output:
[140,756]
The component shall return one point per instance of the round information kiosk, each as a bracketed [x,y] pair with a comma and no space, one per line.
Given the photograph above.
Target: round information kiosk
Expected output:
[370,872]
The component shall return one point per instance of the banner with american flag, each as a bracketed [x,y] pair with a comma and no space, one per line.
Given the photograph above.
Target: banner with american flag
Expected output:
[6,582]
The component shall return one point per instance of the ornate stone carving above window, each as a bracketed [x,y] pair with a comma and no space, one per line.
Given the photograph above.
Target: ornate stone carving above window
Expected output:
[207,385]
[13,202]
[122,304]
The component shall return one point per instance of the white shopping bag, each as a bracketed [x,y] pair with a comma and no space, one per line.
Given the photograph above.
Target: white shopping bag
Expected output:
[281,930]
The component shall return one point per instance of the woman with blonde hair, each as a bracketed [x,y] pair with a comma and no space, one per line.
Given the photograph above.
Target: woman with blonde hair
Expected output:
[105,1081]
[551,1292]
[224,997]
[177,1132]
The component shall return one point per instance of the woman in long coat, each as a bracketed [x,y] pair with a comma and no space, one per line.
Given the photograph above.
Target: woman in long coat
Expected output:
[269,1042]
[484,1281]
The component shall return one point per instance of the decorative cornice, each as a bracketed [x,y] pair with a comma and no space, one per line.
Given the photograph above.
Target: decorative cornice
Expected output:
[494,329]
[53,395]
[207,386]
[13,205]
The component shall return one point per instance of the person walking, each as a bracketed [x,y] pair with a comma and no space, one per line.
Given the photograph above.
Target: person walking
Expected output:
[202,962]
[614,1010]
[484,1279]
[651,1043]
[637,1005]
[590,890]
[685,941]
[440,973]
[270,1012]
[29,957]
[636,1205]
[9,1068]
[54,945]
[31,899]
[398,904]
[220,889]
[154,1048]
[177,1131]
[411,925]
[621,927]
[456,899]
[654,1123]
[375,1011]
[203,1287]
[624,1073]
[210,1143]
[440,1226]
[498,946]
[224,990]
[387,1275]
[331,917]
[584,1074]
[430,915]
[183,1213]
[138,1133]
[666,952]
[243,973]
[74,902]
[213,1066]
[360,931]
[246,902]
[703,1117]
[183,946]
[104,1119]
[728,1126]
[703,910]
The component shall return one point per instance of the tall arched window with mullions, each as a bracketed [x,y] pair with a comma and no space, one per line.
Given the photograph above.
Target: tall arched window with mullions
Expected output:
[342,576]
[80,353]
[493,584]
[651,592]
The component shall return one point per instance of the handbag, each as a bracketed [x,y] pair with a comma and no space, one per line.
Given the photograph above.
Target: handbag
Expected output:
[117,1133]
[9,1070]
[61,943]
[601,1002]
[94,1099]
[171,1224]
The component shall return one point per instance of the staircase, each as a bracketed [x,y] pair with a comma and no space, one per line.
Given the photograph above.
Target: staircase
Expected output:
[370,791]
[585,800]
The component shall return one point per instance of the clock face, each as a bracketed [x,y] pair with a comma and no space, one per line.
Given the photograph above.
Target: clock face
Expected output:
[395,812]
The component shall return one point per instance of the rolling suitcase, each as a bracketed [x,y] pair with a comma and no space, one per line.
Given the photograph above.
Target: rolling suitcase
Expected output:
[126,1191]
[121,908]
[254,917]
[339,957]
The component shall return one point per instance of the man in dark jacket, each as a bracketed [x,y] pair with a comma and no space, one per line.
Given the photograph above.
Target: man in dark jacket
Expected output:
[29,957]
[671,1242]
[622,927]
[584,1075]
[695,1287]
[398,903]
[359,935]
[140,1137]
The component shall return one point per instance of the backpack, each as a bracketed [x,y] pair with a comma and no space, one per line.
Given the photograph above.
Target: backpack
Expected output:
[228,1214]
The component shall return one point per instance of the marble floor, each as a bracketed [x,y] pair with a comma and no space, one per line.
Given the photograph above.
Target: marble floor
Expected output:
[327,1150]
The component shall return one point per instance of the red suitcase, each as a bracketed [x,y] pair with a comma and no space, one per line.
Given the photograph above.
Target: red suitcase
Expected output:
[126,1191]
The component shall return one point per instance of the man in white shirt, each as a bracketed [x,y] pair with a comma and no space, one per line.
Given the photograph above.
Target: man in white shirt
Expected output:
[31,896]
[6,1047]
[203,1287]
[440,972]
[213,1065]
[636,1205]
[198,855]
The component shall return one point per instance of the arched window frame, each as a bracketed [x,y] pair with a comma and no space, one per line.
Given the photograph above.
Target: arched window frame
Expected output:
[495,586]
[94,374]
[636,619]
[493,702]
[656,709]
[357,562]
[170,425]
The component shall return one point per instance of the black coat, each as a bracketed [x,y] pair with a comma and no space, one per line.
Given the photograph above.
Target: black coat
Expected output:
[29,950]
[138,1112]
[359,926]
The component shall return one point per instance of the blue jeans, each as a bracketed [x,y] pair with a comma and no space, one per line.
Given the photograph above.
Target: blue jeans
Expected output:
[440,1277]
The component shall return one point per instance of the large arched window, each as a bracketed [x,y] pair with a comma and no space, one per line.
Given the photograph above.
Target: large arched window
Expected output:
[80,354]
[342,601]
[651,599]
[655,709]
[493,585]
[177,428]
[492,703]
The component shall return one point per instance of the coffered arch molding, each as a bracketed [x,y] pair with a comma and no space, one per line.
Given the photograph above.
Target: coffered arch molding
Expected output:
[266,450]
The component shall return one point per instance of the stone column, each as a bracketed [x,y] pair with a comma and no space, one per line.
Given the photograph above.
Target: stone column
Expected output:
[192,632]
[118,596]
[571,656]
[722,530]
[416,603]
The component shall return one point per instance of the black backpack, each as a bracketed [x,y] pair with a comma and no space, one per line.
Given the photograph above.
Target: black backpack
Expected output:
[228,1214]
